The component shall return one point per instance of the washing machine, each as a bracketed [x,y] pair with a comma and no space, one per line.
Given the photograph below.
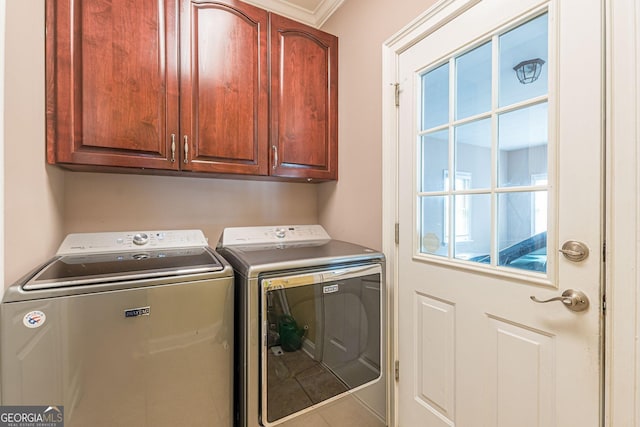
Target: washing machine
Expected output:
[310,328]
[122,329]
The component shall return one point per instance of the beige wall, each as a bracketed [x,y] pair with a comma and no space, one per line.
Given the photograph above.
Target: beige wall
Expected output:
[33,191]
[3,8]
[351,209]
[109,202]
[44,203]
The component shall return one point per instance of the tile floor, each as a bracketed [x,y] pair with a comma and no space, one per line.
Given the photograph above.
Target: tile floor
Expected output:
[347,411]
[296,381]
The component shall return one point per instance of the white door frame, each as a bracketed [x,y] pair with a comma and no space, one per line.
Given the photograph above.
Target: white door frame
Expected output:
[622,349]
[622,278]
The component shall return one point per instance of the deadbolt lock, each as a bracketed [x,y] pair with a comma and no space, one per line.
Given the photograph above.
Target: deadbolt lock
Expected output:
[574,251]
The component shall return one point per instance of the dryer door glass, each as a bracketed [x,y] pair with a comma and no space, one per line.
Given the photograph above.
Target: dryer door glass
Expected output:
[321,339]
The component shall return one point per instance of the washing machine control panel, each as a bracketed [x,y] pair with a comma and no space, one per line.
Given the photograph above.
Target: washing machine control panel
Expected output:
[86,243]
[234,236]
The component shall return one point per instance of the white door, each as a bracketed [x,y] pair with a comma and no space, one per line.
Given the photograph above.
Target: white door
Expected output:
[500,164]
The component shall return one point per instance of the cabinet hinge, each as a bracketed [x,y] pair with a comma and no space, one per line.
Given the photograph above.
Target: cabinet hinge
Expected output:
[604,251]
[397,233]
[397,370]
[604,305]
[397,89]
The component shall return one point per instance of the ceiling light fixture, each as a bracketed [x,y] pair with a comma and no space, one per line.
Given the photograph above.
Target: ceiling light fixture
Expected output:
[528,71]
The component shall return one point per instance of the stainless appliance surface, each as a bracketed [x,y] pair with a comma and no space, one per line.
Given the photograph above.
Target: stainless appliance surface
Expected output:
[310,316]
[130,328]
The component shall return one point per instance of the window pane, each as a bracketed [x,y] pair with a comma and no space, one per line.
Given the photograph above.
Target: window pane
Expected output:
[526,42]
[432,225]
[435,97]
[473,155]
[519,244]
[473,227]
[483,168]
[435,160]
[522,145]
[473,82]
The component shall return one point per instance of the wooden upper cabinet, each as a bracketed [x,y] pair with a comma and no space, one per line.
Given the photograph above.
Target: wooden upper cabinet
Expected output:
[224,87]
[214,86]
[112,82]
[304,101]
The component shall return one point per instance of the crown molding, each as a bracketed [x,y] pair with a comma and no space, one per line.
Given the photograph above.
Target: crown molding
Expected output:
[315,18]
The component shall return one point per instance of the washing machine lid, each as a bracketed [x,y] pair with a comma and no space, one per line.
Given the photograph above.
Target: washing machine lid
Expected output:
[77,270]
[108,257]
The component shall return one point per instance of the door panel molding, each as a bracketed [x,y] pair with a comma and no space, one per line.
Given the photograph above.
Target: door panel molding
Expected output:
[436,335]
[528,354]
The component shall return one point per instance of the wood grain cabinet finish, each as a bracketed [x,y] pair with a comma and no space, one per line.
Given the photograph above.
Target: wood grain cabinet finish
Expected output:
[189,86]
[112,82]
[304,101]
[224,87]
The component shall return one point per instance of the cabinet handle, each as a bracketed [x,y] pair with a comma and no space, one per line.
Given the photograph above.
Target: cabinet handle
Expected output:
[186,149]
[173,148]
[275,156]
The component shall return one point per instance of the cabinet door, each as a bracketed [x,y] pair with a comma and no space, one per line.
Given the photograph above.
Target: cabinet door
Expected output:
[112,82]
[224,87]
[304,101]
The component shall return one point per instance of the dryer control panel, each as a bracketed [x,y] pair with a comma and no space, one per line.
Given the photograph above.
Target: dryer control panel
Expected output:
[233,236]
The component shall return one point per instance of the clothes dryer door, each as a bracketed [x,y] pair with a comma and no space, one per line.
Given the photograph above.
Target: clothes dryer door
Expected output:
[321,338]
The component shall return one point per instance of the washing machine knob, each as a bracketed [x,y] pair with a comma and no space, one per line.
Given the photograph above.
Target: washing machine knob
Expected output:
[140,239]
[280,233]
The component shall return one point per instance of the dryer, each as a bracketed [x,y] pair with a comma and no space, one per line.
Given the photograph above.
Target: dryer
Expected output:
[311,340]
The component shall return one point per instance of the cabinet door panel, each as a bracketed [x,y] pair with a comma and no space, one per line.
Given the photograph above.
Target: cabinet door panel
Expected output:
[112,82]
[304,100]
[224,87]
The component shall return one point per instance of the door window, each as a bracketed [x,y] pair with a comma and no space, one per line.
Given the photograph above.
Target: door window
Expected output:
[484,152]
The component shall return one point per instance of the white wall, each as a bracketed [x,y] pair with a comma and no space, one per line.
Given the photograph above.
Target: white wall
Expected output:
[351,209]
